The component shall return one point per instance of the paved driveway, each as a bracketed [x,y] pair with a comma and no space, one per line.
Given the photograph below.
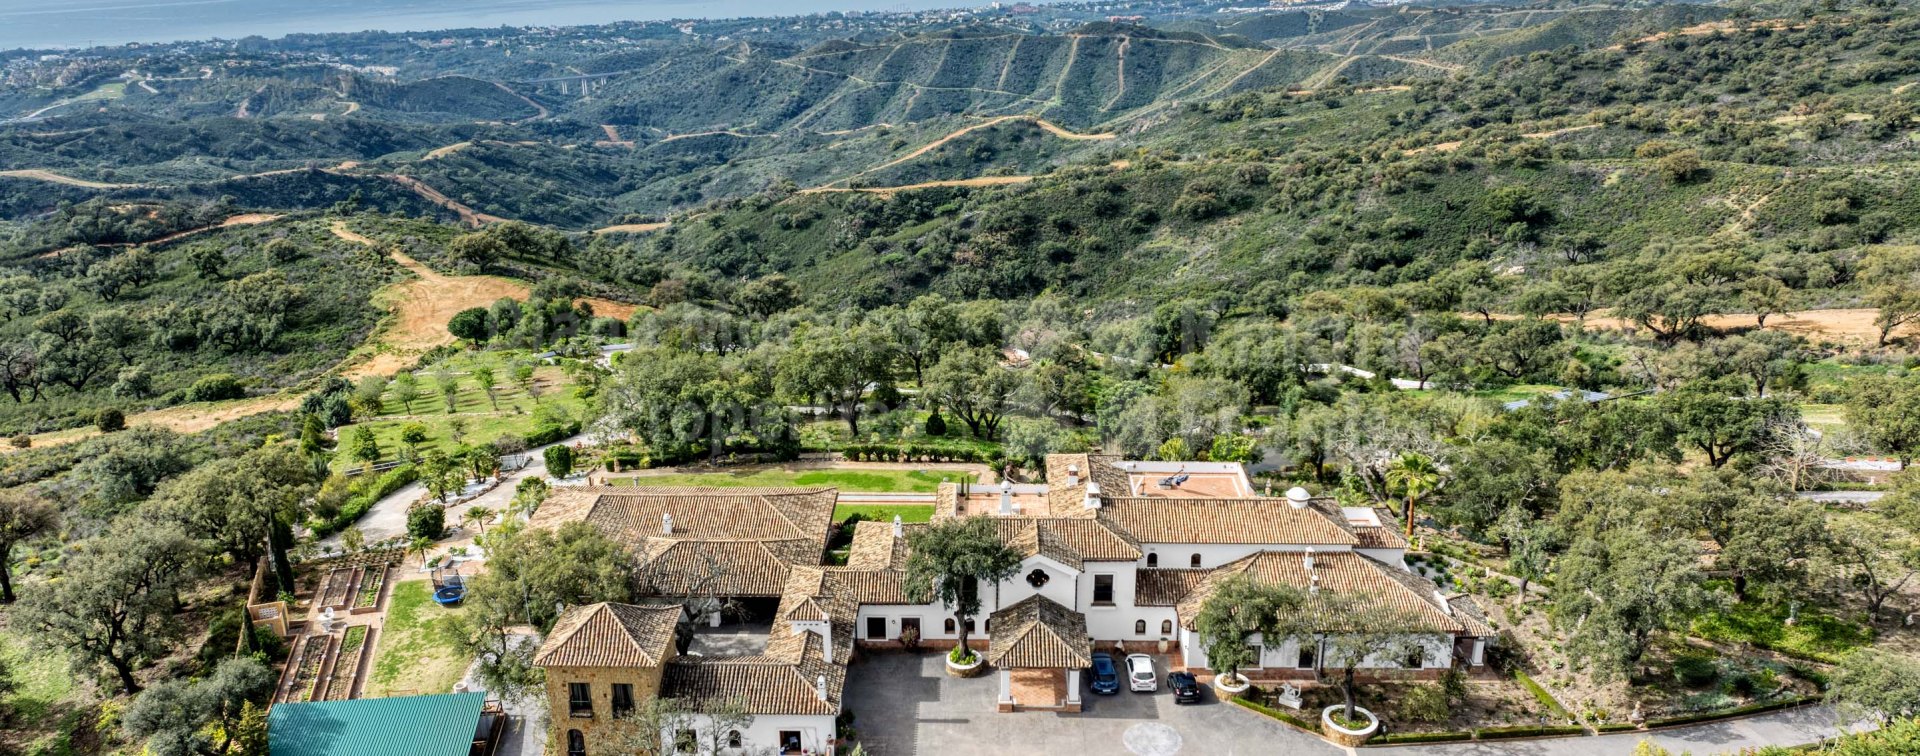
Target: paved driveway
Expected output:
[906,705]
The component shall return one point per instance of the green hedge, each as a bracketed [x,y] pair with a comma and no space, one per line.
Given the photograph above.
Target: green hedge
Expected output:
[1546,699]
[1528,731]
[915,453]
[548,434]
[364,492]
[1276,714]
[1618,727]
[1419,737]
[1737,711]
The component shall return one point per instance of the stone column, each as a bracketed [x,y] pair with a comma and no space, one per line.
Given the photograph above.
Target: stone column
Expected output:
[1073,687]
[1006,690]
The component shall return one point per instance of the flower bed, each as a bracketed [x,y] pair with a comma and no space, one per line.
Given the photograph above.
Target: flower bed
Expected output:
[305,678]
[346,663]
[371,582]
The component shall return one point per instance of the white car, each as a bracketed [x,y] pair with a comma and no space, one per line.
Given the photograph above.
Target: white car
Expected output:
[1140,677]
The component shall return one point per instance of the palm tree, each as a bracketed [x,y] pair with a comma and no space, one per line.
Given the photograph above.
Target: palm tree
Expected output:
[419,547]
[1416,475]
[481,517]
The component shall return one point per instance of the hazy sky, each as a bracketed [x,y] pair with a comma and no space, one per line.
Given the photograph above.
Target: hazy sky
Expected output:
[76,23]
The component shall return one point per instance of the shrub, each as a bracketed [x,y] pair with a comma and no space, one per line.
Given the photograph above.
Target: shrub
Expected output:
[559,459]
[936,425]
[426,520]
[361,494]
[109,420]
[215,388]
[1695,671]
[1424,703]
[962,655]
[21,441]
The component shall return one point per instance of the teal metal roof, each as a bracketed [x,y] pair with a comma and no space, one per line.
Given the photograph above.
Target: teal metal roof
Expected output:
[408,726]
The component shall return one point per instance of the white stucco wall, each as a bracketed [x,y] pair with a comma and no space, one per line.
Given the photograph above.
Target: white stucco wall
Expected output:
[762,735]
[1060,586]
[1179,556]
[933,619]
[1286,654]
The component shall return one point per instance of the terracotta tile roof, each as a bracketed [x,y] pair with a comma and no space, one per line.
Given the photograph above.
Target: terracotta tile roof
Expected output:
[875,548]
[871,586]
[1099,468]
[1165,587]
[611,635]
[764,685]
[1066,540]
[1340,572]
[1249,520]
[1038,633]
[1378,537]
[723,541]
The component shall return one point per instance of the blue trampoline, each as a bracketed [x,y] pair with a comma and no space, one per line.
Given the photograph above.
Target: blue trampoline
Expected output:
[449,588]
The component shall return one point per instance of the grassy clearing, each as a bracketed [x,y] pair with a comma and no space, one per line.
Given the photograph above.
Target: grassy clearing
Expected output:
[871,481]
[518,413]
[40,678]
[413,655]
[884,512]
[1825,418]
[1813,635]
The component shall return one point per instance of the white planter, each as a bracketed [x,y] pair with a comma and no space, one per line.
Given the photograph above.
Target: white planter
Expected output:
[1348,736]
[1236,685]
[967,670]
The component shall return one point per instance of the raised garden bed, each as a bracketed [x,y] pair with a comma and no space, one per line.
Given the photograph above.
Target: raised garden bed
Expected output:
[367,599]
[346,663]
[306,677]
[339,589]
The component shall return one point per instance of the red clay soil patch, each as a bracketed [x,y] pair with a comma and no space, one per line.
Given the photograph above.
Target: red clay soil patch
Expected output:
[422,307]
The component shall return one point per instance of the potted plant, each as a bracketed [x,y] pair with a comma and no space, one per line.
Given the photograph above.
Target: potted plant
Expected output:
[910,638]
[965,662]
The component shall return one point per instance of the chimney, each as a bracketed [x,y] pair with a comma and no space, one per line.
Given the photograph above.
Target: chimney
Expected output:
[1006,498]
[1308,560]
[826,643]
[1073,475]
[1313,585]
[666,523]
[898,529]
[820,687]
[1093,495]
[1298,497]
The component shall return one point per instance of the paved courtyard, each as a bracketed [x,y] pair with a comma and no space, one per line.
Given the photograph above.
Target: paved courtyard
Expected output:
[906,705]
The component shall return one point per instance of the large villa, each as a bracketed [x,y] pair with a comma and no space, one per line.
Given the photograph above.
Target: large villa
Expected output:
[1116,555]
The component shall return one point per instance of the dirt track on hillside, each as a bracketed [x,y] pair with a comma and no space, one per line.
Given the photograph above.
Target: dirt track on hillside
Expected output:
[421,308]
[36,174]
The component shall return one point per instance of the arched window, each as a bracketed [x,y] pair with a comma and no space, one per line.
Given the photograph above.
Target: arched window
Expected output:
[1166,627]
[1139,627]
[576,743]
[1153,560]
[950,626]
[733,739]
[1196,561]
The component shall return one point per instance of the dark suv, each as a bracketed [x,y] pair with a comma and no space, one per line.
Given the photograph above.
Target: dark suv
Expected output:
[1105,676]
[1186,689]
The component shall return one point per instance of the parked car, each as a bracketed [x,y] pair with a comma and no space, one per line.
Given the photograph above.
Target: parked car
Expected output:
[1140,675]
[1105,676]
[1186,689]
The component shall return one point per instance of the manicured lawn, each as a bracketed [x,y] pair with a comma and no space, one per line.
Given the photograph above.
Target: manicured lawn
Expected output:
[872,481]
[412,654]
[884,512]
[40,678]
[1825,418]
[1813,634]
[1517,391]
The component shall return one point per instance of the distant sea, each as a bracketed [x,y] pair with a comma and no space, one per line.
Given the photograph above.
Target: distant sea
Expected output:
[82,23]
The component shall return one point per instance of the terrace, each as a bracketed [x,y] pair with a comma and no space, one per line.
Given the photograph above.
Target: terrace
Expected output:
[340,619]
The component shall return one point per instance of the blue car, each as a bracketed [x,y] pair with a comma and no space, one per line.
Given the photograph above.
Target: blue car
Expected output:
[1105,676]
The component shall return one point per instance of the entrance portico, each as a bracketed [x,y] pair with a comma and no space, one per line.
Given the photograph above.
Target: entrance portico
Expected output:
[1039,648]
